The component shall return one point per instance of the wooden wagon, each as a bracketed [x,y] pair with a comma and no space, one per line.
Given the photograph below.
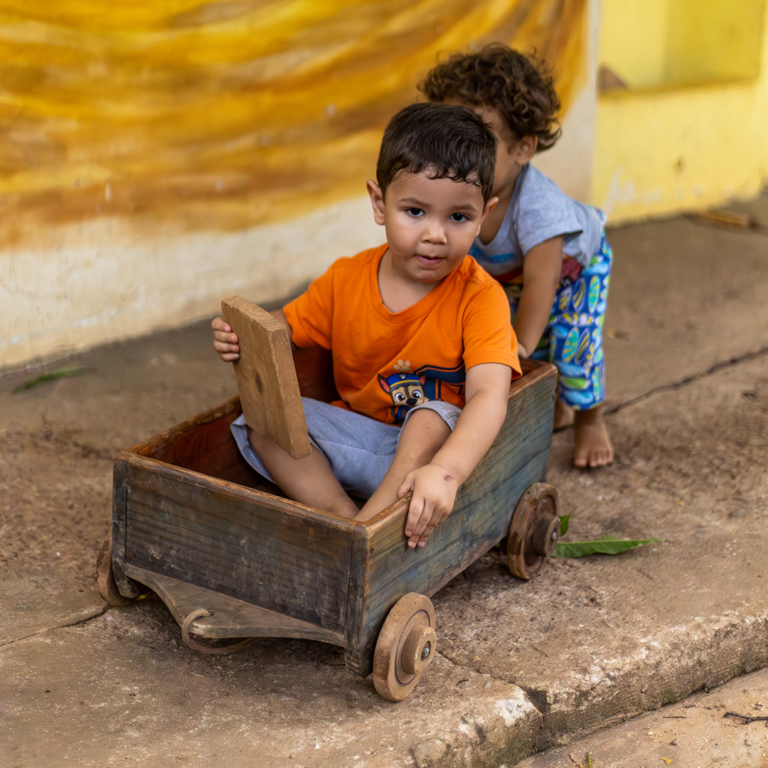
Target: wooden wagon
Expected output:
[231,557]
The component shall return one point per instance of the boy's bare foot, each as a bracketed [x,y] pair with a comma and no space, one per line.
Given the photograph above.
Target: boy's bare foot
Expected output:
[563,415]
[593,446]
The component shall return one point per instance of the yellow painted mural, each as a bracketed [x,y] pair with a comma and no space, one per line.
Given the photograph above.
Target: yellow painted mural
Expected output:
[218,115]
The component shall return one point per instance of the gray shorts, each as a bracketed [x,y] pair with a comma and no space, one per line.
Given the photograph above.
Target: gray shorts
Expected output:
[359,449]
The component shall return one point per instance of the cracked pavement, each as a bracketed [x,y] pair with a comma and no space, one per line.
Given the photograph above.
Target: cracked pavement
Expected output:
[522,666]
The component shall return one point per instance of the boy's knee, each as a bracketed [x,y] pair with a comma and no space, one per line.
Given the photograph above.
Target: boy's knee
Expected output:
[261,444]
[427,418]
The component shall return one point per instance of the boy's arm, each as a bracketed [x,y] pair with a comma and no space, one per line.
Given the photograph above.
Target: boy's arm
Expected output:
[435,485]
[541,276]
[225,342]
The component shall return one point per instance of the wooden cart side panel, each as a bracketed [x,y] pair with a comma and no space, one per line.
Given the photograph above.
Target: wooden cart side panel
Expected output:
[314,370]
[533,372]
[159,443]
[228,617]
[357,654]
[385,568]
[211,450]
[255,550]
[119,509]
[205,444]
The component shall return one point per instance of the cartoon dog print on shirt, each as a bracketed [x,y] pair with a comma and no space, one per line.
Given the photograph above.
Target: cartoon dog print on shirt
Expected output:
[406,391]
[428,382]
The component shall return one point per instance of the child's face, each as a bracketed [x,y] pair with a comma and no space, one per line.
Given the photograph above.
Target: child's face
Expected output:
[430,223]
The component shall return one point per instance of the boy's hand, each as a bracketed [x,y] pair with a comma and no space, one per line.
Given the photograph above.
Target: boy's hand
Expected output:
[224,341]
[435,484]
[434,491]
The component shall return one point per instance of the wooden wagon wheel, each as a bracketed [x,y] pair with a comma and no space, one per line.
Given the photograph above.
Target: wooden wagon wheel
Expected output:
[534,530]
[406,645]
[105,580]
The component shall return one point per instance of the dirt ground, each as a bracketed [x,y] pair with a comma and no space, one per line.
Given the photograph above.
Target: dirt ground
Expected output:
[522,666]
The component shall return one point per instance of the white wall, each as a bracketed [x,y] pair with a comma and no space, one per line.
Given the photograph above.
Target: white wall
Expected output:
[86,291]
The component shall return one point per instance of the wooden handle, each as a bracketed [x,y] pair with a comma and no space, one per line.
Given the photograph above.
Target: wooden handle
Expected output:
[266,377]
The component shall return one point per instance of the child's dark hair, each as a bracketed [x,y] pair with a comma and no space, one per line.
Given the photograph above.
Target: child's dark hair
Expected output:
[443,140]
[521,88]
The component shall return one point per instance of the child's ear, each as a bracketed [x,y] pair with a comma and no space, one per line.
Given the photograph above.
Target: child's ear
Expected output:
[525,149]
[489,206]
[377,201]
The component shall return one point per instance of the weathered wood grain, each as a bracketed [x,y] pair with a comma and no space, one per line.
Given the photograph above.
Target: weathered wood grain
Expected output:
[203,444]
[229,617]
[266,377]
[384,568]
[527,365]
[125,586]
[262,549]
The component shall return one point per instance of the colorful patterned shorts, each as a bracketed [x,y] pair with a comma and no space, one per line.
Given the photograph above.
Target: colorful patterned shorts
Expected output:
[573,338]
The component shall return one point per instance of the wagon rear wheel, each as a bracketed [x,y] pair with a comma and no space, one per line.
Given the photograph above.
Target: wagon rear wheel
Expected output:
[534,530]
[105,580]
[406,645]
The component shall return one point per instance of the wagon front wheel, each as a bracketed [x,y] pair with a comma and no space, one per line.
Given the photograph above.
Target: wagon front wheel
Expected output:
[534,530]
[105,580]
[406,645]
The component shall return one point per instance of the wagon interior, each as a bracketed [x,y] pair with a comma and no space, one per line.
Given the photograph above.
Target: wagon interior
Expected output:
[205,444]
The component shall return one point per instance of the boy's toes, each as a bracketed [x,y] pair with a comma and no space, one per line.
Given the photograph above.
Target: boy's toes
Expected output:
[593,447]
[600,458]
[593,458]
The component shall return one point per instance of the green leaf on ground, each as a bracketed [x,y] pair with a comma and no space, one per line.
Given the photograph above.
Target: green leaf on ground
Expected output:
[59,373]
[565,521]
[606,545]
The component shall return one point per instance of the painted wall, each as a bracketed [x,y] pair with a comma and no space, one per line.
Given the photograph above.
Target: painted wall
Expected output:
[159,156]
[689,130]
[571,160]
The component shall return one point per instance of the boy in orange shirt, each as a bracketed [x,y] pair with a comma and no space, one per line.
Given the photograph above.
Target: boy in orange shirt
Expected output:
[423,350]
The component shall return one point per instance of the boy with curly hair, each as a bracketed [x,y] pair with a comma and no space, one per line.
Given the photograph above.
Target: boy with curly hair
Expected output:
[547,250]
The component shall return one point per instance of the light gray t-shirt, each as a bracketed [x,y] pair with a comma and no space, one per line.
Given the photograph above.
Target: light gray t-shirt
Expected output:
[539,210]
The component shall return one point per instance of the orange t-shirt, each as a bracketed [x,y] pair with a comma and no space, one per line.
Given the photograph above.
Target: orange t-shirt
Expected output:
[386,362]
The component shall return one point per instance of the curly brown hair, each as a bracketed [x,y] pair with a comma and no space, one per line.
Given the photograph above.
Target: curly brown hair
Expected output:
[520,87]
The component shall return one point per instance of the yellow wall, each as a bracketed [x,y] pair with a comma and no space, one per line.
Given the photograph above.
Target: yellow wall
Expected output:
[663,147]
[632,39]
[651,43]
[157,156]
[711,40]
